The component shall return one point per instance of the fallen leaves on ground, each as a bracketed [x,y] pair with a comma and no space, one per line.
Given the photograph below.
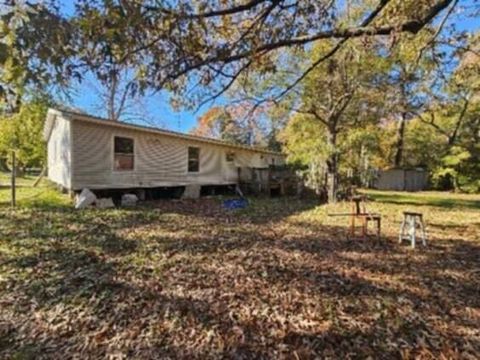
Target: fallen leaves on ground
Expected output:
[280,279]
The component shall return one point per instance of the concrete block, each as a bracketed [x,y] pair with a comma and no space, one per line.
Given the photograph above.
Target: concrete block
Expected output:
[191,192]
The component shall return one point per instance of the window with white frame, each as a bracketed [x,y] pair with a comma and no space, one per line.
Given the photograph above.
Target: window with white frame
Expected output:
[193,159]
[123,156]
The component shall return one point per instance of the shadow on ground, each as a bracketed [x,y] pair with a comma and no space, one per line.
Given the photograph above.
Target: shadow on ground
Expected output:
[187,279]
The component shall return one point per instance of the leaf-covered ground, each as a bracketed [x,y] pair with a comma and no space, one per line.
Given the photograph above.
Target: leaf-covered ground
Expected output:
[178,279]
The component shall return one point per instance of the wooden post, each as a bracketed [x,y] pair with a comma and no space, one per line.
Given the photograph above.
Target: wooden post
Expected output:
[14,170]
[39,178]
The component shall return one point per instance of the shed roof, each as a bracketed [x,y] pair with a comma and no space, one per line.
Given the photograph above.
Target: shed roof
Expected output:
[78,116]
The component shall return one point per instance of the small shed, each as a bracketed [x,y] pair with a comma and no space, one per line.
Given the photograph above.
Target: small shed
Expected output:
[402,179]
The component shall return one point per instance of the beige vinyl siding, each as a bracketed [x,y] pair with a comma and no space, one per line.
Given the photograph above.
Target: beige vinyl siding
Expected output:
[160,160]
[59,153]
[258,160]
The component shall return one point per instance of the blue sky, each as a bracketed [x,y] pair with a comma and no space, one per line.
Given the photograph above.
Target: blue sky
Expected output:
[158,106]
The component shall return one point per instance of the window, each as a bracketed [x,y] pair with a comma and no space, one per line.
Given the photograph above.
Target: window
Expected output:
[193,159]
[230,156]
[123,157]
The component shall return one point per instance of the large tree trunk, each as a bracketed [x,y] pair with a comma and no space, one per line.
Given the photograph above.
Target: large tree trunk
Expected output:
[332,167]
[400,141]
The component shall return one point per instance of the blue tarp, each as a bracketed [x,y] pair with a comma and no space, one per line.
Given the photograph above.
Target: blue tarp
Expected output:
[232,204]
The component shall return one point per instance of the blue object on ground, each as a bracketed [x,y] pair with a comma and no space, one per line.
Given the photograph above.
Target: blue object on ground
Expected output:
[232,204]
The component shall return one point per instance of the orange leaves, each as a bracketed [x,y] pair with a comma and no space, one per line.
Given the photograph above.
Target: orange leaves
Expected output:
[241,123]
[206,122]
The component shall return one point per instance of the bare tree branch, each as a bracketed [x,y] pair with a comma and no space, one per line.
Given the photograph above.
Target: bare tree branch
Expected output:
[437,32]
[312,112]
[332,52]
[214,13]
[225,88]
[451,137]
[228,56]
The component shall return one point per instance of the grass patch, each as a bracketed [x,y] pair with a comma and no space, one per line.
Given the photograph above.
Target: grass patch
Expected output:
[427,198]
[44,195]
[177,279]
[26,180]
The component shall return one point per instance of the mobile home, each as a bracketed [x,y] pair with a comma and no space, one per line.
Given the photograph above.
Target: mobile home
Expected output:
[90,152]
